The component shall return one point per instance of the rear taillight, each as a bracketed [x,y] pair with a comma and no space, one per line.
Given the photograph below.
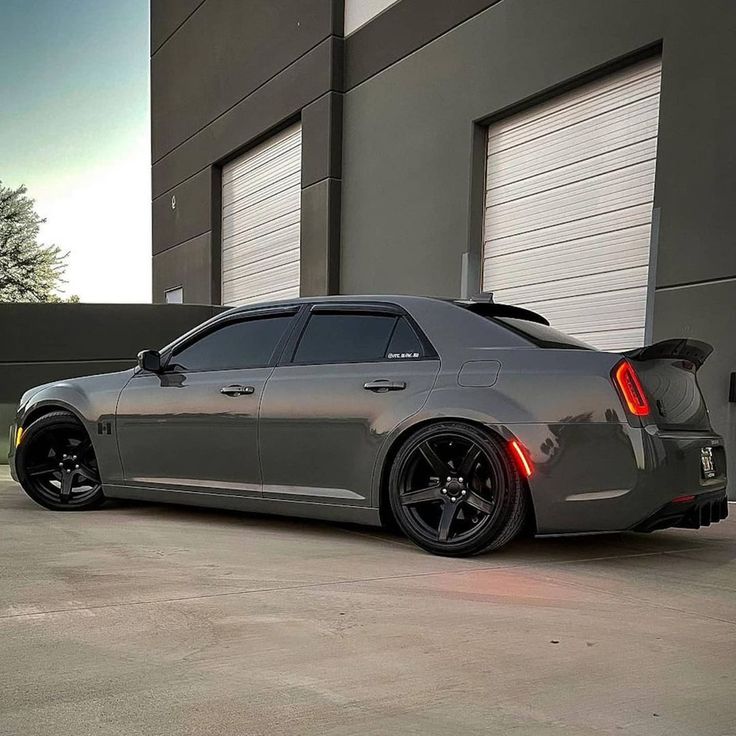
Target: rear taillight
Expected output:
[630,388]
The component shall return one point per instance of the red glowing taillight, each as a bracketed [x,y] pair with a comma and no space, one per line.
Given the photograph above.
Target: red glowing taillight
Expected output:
[521,459]
[630,388]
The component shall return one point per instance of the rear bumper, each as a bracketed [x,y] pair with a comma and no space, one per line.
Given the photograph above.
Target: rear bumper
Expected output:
[614,477]
[702,510]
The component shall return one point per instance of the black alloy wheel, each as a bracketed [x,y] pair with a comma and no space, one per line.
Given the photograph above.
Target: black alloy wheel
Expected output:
[454,490]
[56,464]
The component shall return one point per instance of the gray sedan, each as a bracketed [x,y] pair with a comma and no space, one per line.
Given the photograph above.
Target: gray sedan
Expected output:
[460,422]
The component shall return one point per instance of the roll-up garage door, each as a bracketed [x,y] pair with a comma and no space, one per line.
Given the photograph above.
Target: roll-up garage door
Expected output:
[569,193]
[261,197]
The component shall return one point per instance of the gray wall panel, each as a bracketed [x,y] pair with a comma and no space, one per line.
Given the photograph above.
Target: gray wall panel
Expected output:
[401,29]
[696,167]
[74,332]
[190,217]
[229,77]
[701,312]
[322,128]
[408,133]
[255,117]
[188,265]
[257,40]
[320,238]
[167,16]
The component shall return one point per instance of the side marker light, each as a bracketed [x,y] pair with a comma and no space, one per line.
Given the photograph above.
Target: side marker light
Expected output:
[521,459]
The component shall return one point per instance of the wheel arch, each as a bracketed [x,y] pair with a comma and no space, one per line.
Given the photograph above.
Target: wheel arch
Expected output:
[49,406]
[500,433]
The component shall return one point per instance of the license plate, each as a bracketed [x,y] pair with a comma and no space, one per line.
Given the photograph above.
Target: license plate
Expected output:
[706,462]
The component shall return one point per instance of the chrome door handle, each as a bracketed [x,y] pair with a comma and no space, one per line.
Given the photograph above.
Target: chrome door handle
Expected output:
[237,390]
[382,385]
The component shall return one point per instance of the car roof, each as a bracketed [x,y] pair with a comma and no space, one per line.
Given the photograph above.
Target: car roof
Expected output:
[485,307]
[449,324]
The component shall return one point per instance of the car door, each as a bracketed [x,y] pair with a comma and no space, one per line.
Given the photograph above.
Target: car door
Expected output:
[349,375]
[194,425]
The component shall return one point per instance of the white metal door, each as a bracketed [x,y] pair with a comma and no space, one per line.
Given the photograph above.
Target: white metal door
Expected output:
[569,193]
[261,201]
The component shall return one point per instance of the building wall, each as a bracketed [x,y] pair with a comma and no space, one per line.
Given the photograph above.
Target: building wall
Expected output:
[224,75]
[410,198]
[393,141]
[51,342]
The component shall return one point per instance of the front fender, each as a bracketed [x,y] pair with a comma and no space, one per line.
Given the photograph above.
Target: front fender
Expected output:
[93,400]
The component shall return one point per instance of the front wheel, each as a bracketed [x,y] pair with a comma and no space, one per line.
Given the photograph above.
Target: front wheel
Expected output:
[454,491]
[56,464]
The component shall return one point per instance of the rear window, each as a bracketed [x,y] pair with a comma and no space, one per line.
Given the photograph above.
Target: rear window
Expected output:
[543,336]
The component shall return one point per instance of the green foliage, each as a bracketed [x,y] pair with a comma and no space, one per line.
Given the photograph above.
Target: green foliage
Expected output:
[29,270]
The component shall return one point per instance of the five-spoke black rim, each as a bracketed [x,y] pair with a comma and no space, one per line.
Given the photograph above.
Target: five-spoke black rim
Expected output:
[450,487]
[60,464]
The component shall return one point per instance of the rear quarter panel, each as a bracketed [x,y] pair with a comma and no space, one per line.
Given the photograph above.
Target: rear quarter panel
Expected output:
[562,406]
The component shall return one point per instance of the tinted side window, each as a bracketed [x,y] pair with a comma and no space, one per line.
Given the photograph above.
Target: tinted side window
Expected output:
[404,342]
[247,344]
[345,338]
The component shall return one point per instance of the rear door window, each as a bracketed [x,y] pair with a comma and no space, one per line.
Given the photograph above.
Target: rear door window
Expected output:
[345,338]
[404,342]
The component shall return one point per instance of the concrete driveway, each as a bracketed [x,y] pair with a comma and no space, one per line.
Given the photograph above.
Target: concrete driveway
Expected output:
[160,620]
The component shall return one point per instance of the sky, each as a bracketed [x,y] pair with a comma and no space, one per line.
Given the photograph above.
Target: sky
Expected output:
[74,128]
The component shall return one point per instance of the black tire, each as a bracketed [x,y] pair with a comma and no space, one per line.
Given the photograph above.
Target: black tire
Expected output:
[454,491]
[56,464]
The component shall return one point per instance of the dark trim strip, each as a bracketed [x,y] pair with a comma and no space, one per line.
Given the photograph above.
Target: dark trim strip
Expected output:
[183,242]
[704,282]
[160,46]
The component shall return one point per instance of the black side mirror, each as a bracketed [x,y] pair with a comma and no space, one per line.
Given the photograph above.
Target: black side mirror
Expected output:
[149,360]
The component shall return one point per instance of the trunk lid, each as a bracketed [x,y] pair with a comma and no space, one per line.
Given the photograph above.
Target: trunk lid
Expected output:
[668,373]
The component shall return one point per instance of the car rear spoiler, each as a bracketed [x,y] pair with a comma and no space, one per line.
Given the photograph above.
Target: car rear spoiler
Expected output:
[695,351]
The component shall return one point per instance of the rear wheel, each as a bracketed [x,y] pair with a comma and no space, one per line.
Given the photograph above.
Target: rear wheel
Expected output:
[454,491]
[56,464]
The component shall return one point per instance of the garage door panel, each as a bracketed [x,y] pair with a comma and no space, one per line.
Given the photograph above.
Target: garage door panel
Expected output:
[269,192]
[582,141]
[621,249]
[569,195]
[588,198]
[261,211]
[597,98]
[593,283]
[260,182]
[620,309]
[262,155]
[264,263]
[587,168]
[279,241]
[267,228]
[590,227]
[260,286]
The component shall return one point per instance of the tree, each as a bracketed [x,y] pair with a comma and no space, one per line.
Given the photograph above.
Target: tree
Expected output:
[29,271]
